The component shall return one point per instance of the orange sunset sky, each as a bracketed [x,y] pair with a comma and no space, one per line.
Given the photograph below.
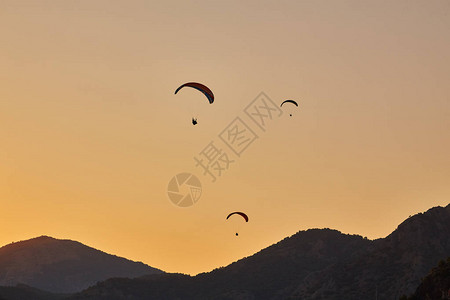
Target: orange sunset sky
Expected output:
[91,131]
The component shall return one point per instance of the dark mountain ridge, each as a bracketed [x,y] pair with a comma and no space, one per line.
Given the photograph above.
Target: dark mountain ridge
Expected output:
[436,285]
[62,266]
[312,264]
[391,266]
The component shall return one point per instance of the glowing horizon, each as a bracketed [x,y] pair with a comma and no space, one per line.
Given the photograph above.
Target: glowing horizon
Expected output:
[92,133]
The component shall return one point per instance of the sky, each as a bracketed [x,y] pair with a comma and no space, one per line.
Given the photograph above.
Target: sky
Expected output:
[91,132]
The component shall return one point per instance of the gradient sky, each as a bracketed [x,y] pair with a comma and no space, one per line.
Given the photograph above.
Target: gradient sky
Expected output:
[91,131]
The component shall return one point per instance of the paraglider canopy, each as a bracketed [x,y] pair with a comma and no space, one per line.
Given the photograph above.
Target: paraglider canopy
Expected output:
[289,101]
[239,213]
[200,87]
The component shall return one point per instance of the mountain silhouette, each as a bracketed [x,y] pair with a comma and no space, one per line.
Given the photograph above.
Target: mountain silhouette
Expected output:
[312,264]
[436,285]
[25,292]
[62,266]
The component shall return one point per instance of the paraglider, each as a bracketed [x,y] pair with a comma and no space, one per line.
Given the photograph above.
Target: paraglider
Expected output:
[200,87]
[289,101]
[240,214]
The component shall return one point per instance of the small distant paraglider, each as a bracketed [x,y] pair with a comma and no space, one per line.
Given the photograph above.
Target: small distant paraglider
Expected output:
[289,101]
[243,215]
[200,87]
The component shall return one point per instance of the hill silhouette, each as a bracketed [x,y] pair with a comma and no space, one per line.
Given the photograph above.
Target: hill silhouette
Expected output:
[25,292]
[312,264]
[436,285]
[62,266]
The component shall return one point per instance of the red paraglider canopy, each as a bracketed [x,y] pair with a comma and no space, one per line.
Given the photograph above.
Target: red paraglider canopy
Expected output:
[239,213]
[200,87]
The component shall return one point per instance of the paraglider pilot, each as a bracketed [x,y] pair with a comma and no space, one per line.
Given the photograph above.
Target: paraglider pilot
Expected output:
[194,121]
